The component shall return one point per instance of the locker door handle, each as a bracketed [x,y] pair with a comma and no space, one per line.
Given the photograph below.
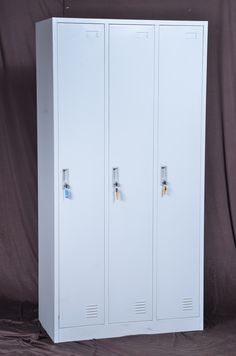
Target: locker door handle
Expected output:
[115,183]
[164,183]
[67,193]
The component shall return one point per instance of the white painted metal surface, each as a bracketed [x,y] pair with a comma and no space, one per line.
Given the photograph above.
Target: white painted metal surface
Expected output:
[131,94]
[45,136]
[81,151]
[179,149]
[126,94]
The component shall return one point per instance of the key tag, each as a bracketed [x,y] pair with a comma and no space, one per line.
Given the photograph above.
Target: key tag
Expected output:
[117,194]
[67,192]
[164,189]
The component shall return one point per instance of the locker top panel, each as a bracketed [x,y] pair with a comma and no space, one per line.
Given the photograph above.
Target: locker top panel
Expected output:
[56,20]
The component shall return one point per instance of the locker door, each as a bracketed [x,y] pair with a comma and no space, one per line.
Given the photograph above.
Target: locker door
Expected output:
[180,135]
[131,83]
[81,151]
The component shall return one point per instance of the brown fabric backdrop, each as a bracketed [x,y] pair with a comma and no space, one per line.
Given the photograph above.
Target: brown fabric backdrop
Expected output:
[18,146]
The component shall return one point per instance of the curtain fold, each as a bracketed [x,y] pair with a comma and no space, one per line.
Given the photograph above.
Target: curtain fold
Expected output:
[18,146]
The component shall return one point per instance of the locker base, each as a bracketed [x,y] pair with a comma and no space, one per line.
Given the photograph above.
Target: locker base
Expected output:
[125,329]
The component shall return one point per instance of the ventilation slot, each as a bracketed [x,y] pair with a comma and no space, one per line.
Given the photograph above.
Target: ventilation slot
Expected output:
[140,307]
[187,304]
[92,311]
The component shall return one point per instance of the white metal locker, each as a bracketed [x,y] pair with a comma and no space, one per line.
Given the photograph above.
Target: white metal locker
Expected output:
[121,138]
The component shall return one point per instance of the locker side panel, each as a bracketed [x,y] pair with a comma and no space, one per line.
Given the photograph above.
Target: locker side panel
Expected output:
[131,97]
[180,151]
[81,153]
[45,137]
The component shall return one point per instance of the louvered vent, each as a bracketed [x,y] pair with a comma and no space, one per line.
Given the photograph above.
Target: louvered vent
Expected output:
[187,304]
[140,307]
[92,311]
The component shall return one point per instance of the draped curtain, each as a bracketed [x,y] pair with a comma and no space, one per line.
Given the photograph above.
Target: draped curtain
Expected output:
[18,136]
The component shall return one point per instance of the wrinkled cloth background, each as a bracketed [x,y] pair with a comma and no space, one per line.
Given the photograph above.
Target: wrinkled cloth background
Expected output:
[20,331]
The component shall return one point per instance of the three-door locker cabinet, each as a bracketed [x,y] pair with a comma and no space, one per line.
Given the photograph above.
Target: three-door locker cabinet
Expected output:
[121,154]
